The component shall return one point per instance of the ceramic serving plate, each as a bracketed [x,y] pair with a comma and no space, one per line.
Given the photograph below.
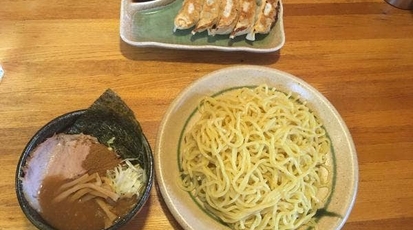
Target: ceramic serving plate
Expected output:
[343,161]
[151,24]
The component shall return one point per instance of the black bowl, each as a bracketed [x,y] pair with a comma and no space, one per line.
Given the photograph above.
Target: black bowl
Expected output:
[59,125]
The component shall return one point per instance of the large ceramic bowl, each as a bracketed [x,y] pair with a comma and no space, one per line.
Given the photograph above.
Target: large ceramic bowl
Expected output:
[58,125]
[343,159]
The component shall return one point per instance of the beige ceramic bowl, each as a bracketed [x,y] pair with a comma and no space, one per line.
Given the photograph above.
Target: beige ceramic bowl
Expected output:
[343,160]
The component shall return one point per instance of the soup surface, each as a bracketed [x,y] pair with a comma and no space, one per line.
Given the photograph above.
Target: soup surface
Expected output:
[78,214]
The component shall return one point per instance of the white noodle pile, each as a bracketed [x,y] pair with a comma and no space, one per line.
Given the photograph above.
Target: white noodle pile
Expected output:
[256,159]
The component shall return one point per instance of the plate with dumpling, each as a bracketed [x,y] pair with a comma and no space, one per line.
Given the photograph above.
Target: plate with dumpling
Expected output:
[225,25]
[251,147]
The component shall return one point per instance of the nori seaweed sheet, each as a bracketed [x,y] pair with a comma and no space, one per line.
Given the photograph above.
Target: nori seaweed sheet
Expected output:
[110,117]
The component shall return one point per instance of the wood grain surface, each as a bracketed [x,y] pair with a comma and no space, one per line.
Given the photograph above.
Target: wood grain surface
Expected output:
[59,56]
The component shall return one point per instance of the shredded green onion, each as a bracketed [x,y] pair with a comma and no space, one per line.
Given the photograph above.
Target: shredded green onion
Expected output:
[110,143]
[127,179]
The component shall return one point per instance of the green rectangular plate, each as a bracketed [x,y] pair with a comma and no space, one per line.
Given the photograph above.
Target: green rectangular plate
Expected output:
[152,23]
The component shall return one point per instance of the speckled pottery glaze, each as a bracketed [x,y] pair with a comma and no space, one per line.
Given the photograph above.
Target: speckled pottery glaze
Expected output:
[343,160]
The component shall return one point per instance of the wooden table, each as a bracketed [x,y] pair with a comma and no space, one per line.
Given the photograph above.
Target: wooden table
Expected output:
[59,56]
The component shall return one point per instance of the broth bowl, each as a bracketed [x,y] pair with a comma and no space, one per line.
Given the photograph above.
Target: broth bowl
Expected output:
[59,125]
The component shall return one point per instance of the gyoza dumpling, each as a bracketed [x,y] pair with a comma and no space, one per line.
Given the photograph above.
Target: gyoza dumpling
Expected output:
[246,18]
[209,16]
[188,15]
[229,13]
[265,20]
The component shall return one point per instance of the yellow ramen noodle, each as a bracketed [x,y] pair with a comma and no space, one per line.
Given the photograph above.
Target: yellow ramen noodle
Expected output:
[256,159]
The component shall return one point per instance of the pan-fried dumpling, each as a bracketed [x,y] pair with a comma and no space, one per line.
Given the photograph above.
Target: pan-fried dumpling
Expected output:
[246,18]
[188,15]
[265,19]
[209,16]
[229,13]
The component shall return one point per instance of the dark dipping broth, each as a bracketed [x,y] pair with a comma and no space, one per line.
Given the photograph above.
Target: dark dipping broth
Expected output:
[80,214]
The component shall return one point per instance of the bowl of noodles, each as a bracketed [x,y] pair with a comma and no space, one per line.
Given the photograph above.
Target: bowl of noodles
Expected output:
[250,147]
[86,169]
